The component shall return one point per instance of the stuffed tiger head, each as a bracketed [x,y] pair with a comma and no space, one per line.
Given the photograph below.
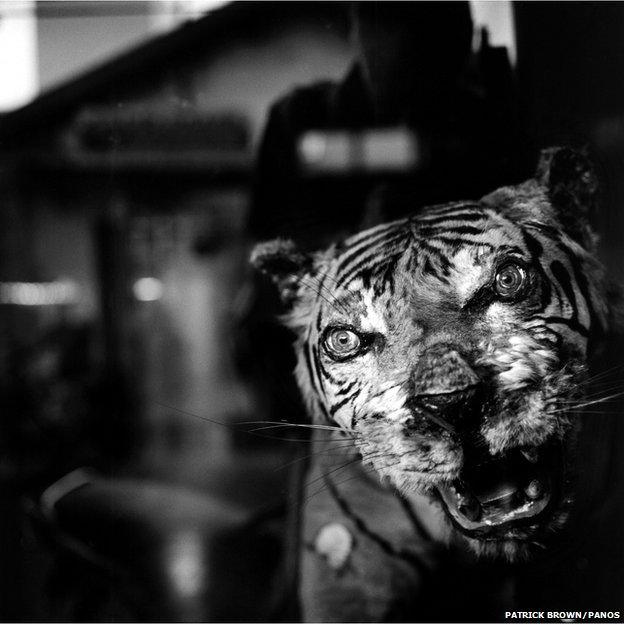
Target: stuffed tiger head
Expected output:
[453,345]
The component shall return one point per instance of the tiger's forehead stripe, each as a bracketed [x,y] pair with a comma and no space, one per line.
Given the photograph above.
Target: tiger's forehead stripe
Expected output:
[366,235]
[452,209]
[371,254]
[356,245]
[370,249]
[471,216]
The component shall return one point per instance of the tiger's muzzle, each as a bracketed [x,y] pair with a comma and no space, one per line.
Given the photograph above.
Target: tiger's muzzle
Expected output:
[445,389]
[495,496]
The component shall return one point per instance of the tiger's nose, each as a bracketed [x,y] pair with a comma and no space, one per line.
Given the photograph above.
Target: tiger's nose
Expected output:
[444,386]
[441,369]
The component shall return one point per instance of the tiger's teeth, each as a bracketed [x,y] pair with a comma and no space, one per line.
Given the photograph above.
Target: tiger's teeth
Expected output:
[530,455]
[534,489]
[467,504]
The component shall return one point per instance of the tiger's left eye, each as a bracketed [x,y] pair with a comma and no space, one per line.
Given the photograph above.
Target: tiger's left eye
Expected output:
[342,342]
[510,280]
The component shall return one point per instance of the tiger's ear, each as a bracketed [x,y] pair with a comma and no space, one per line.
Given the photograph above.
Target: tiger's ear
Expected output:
[285,264]
[572,188]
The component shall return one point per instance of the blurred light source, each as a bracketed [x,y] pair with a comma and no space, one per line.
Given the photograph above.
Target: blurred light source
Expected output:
[168,14]
[497,17]
[390,149]
[374,150]
[313,146]
[38,293]
[148,289]
[18,53]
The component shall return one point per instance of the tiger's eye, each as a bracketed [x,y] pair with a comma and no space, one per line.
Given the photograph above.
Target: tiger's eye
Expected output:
[510,280]
[342,342]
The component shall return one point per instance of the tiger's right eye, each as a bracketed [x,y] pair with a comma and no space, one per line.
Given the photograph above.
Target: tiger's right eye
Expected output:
[342,342]
[510,280]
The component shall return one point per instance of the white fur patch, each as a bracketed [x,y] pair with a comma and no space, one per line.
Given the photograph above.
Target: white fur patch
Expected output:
[498,315]
[389,402]
[467,274]
[532,425]
[372,320]
[342,418]
[522,361]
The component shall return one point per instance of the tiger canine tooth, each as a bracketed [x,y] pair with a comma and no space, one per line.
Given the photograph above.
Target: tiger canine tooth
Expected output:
[470,508]
[467,505]
[534,489]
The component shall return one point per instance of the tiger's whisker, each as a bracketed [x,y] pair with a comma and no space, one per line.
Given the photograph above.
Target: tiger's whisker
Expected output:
[325,487]
[588,403]
[606,372]
[235,426]
[276,424]
[333,470]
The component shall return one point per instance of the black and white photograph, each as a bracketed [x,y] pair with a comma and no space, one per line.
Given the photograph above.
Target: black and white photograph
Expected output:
[311,311]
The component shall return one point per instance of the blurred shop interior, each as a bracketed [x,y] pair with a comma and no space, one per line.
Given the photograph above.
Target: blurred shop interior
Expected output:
[128,135]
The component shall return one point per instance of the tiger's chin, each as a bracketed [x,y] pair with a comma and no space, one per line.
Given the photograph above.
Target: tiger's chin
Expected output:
[509,505]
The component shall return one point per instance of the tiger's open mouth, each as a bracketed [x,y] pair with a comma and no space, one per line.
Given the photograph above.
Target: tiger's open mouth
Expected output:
[507,496]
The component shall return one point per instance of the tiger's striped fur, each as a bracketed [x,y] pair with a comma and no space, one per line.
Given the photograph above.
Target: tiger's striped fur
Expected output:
[418,297]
